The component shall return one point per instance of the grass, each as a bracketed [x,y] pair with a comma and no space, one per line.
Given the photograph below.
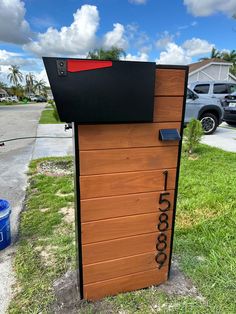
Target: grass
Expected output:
[8,103]
[47,117]
[204,242]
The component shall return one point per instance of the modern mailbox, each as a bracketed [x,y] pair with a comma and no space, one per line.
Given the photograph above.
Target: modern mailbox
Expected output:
[127,122]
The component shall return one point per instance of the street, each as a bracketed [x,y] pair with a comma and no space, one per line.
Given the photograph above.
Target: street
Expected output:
[15,121]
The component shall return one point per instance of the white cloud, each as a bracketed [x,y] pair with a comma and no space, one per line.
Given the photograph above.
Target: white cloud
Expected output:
[182,54]
[138,1]
[116,37]
[8,58]
[174,54]
[141,56]
[209,7]
[76,39]
[196,46]
[13,26]
[165,39]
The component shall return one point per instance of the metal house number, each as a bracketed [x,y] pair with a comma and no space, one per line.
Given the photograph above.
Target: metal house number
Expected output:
[163,225]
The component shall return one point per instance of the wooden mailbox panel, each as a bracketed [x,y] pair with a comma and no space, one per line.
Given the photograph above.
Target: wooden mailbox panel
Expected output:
[127,195]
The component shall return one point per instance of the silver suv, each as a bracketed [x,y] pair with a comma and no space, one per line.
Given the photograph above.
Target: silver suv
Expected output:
[204,108]
[214,89]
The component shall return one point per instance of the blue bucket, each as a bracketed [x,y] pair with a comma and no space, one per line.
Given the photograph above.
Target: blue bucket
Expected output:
[5,231]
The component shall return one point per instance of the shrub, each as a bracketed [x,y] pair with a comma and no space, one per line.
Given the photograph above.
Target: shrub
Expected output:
[192,135]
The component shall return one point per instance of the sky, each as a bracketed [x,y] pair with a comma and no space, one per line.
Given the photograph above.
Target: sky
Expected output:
[164,31]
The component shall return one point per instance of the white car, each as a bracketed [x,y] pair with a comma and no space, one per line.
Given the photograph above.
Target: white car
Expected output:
[9,98]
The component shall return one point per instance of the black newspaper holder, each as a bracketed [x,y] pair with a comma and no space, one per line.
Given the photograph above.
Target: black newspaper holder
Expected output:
[97,91]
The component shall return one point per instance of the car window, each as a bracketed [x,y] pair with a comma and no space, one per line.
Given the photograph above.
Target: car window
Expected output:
[202,88]
[220,89]
[232,88]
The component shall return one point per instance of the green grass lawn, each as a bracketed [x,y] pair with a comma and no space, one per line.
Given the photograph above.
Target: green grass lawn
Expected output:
[47,117]
[204,241]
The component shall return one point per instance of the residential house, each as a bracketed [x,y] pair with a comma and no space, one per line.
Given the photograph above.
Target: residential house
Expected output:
[211,70]
[3,93]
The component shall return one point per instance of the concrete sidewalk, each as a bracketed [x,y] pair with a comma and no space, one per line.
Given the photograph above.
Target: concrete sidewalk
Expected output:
[60,145]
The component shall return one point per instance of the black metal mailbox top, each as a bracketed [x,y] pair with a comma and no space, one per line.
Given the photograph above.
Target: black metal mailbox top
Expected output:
[102,91]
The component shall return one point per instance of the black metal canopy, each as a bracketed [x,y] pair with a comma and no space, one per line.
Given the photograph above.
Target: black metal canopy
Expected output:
[102,91]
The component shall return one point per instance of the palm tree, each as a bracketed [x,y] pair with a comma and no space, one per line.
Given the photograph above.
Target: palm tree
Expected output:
[214,54]
[29,80]
[110,54]
[40,86]
[230,57]
[15,76]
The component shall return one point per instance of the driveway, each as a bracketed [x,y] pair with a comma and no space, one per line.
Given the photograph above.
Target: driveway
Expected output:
[15,121]
[224,138]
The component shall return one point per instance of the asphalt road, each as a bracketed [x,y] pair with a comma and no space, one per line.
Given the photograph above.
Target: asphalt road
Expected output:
[15,121]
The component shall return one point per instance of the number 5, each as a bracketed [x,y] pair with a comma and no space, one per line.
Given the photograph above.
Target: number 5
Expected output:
[164,200]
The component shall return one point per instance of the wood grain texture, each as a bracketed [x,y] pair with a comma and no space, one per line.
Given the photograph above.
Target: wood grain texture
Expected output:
[113,249]
[168,109]
[170,82]
[129,159]
[148,278]
[125,205]
[123,135]
[102,230]
[121,267]
[125,183]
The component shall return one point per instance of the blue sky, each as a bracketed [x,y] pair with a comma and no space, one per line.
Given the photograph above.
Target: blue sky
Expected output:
[165,31]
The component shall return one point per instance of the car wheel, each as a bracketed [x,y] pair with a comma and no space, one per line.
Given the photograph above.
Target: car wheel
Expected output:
[209,123]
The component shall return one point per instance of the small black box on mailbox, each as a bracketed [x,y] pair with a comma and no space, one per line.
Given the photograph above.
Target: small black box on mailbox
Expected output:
[96,91]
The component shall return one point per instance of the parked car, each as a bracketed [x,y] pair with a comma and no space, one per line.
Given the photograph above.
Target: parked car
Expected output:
[204,108]
[214,89]
[33,97]
[9,99]
[229,105]
[41,99]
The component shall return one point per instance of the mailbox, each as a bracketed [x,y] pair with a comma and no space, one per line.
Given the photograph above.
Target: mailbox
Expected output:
[127,129]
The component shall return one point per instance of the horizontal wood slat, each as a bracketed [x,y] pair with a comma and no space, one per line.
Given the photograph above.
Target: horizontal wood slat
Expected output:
[112,249]
[98,290]
[123,135]
[115,228]
[121,267]
[168,109]
[125,205]
[129,159]
[125,183]
[170,82]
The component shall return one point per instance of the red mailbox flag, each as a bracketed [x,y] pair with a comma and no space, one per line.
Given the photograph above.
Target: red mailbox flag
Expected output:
[85,65]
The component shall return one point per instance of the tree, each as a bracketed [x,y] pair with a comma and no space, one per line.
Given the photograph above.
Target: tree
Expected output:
[110,54]
[15,76]
[214,54]
[3,85]
[29,80]
[17,90]
[40,87]
[230,57]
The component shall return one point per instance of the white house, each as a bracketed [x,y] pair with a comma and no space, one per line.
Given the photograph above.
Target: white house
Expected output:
[3,93]
[211,70]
